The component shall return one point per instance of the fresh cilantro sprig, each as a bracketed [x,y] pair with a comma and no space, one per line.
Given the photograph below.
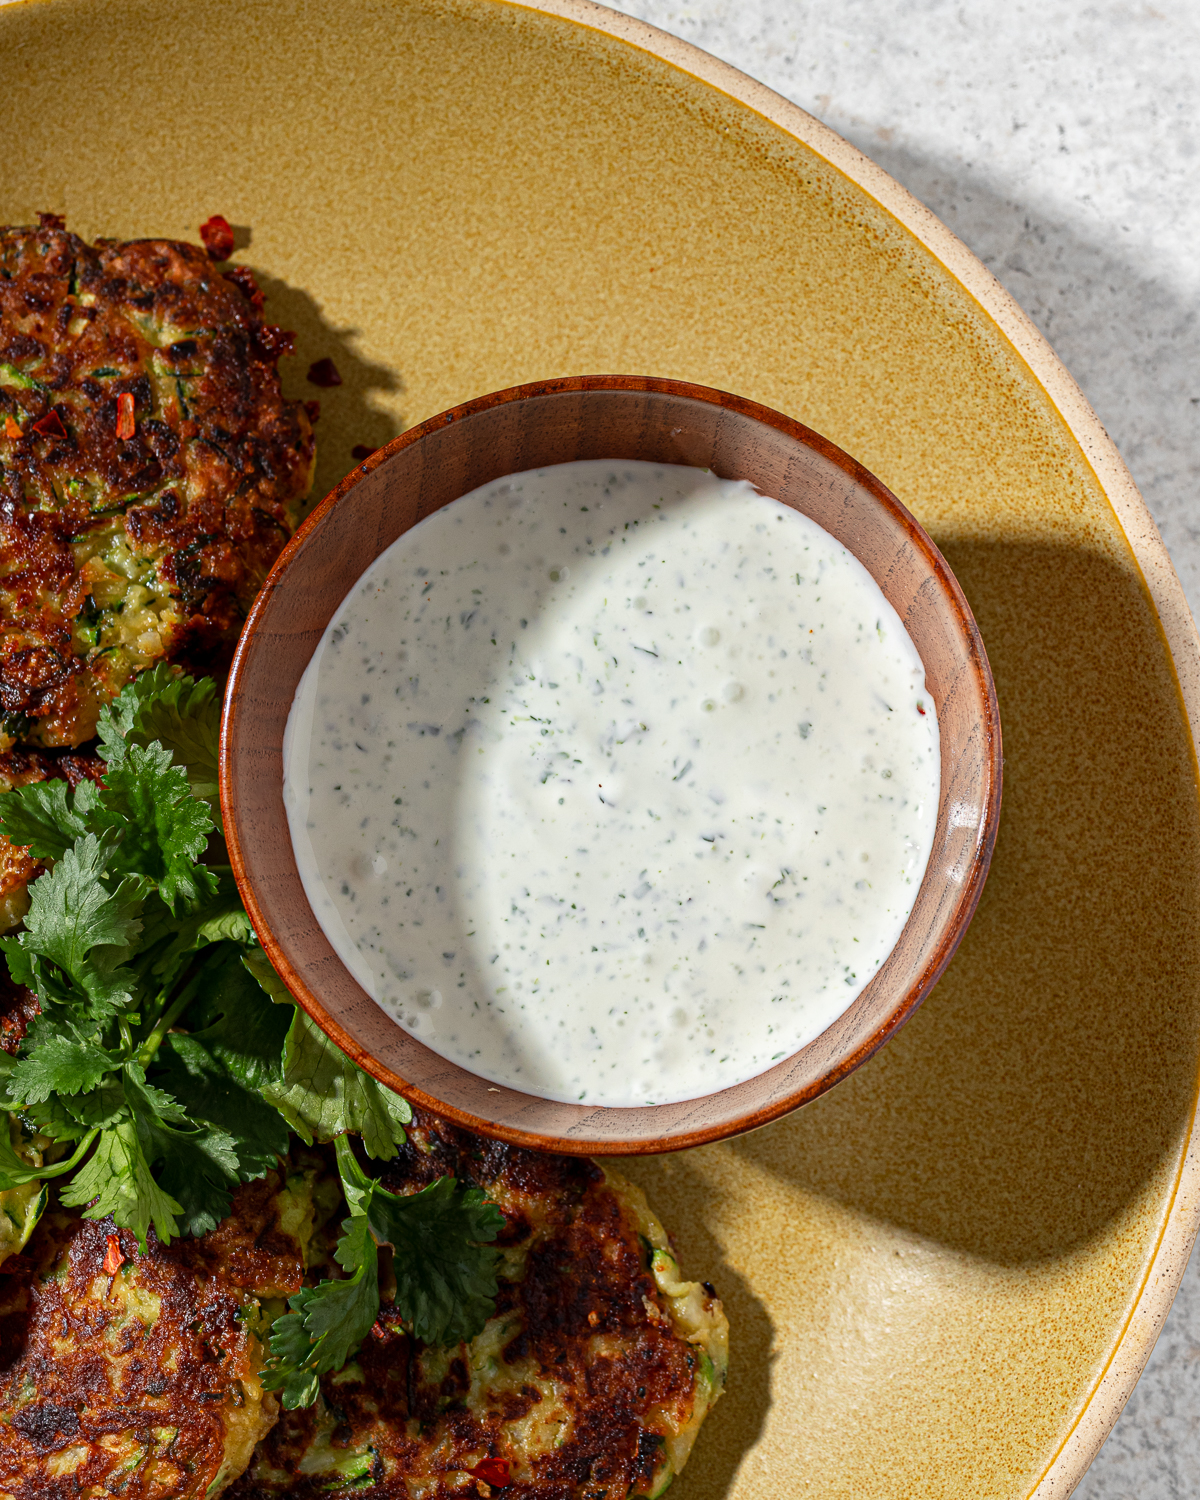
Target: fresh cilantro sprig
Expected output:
[170,1061]
[127,932]
[444,1267]
[181,714]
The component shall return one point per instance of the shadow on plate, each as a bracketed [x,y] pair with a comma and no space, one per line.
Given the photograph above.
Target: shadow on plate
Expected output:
[348,418]
[1051,1072]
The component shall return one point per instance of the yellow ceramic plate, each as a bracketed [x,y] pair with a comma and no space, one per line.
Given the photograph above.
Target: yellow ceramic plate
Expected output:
[944,1276]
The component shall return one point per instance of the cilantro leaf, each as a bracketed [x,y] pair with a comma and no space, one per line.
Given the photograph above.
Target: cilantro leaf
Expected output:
[220,919]
[43,817]
[148,1101]
[445,1276]
[20,961]
[212,1093]
[445,1272]
[116,1179]
[162,829]
[324,1094]
[117,717]
[327,1322]
[218,1070]
[54,1119]
[233,1019]
[198,1168]
[51,1118]
[183,715]
[291,1369]
[446,1279]
[73,899]
[186,719]
[83,928]
[59,1066]
[103,1106]
[169,942]
[260,966]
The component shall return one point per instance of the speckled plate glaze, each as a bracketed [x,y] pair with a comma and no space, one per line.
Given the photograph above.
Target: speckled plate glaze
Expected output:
[944,1275]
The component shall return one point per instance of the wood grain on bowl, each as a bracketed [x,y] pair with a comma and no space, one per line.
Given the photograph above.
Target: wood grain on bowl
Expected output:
[616,417]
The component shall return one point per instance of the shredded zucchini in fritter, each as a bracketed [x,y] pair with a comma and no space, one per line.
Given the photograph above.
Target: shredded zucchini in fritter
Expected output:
[150,469]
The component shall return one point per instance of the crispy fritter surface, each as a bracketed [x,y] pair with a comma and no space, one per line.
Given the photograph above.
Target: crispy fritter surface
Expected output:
[142,1378]
[18,1010]
[591,1379]
[150,469]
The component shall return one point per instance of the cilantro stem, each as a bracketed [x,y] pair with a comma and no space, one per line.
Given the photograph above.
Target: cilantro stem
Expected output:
[154,1041]
[54,1169]
[348,1164]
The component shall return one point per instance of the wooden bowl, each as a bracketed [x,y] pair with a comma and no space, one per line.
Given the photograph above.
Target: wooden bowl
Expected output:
[531,426]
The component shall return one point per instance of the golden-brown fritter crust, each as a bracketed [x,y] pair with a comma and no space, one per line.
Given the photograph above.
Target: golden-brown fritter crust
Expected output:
[576,1382]
[142,1379]
[17,868]
[19,1009]
[177,524]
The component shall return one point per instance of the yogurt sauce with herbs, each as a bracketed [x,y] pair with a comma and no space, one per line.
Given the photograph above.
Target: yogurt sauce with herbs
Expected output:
[613,782]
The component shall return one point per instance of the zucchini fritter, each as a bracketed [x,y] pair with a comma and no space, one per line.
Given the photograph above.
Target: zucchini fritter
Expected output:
[591,1379]
[139,1374]
[150,469]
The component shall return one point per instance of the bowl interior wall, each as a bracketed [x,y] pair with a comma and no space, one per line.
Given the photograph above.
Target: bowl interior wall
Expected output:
[494,437]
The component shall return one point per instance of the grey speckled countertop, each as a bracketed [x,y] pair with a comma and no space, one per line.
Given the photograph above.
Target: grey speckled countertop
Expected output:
[1061,142]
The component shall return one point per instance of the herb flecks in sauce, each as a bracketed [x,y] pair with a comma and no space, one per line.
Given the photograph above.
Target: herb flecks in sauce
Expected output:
[614,782]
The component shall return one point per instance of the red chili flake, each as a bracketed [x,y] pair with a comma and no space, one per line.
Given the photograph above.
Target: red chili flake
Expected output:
[360,450]
[113,1259]
[126,423]
[243,278]
[313,408]
[920,710]
[324,372]
[50,425]
[12,428]
[275,342]
[497,1471]
[218,237]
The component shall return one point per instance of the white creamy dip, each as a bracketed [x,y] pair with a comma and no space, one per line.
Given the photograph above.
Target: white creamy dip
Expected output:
[613,782]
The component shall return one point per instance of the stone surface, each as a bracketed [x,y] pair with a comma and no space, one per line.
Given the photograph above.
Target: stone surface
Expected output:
[1060,142]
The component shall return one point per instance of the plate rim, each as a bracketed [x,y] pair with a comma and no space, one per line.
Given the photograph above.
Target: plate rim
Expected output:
[1164,1270]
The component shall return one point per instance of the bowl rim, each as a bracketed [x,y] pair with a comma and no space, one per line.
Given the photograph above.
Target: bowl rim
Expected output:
[971,885]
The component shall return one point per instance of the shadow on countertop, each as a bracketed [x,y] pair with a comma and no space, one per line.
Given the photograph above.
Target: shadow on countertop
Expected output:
[1129,337]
